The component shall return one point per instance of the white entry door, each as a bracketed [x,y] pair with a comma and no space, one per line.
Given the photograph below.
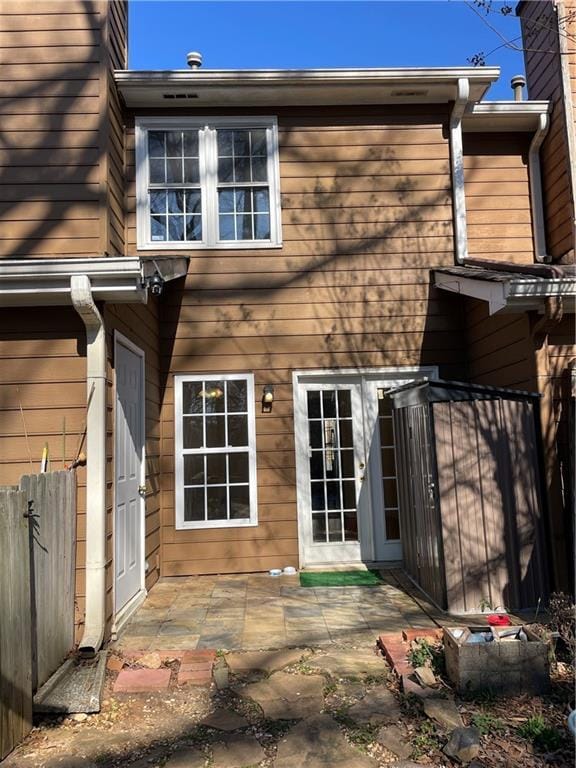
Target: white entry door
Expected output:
[348,508]
[129,463]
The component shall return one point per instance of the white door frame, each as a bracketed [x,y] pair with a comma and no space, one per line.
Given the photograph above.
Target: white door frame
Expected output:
[360,376]
[121,616]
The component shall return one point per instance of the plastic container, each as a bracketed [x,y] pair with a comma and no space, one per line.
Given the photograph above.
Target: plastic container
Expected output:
[289,570]
[275,571]
[499,620]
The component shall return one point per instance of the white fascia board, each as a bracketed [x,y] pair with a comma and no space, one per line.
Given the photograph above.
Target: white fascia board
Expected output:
[495,293]
[41,282]
[505,116]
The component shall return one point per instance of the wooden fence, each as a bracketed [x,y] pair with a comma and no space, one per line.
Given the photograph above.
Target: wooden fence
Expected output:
[37,568]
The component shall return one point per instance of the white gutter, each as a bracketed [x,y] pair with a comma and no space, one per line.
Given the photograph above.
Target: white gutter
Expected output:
[536,199]
[83,302]
[457,166]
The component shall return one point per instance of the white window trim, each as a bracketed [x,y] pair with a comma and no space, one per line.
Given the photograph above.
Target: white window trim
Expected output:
[250,522]
[207,181]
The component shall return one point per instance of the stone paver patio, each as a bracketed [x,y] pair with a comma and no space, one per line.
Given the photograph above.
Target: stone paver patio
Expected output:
[257,611]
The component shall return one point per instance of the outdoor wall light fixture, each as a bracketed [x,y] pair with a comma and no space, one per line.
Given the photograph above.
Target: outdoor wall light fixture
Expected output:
[267,398]
[155,283]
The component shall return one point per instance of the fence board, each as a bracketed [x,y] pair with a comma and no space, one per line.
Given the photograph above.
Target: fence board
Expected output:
[15,623]
[52,543]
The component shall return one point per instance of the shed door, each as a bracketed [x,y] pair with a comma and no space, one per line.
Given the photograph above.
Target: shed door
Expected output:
[129,443]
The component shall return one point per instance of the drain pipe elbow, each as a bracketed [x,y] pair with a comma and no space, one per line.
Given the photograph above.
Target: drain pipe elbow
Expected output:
[457,168]
[95,615]
[536,198]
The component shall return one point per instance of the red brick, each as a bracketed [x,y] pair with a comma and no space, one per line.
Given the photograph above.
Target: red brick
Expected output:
[204,654]
[389,637]
[164,655]
[114,664]
[200,666]
[142,680]
[195,677]
[412,634]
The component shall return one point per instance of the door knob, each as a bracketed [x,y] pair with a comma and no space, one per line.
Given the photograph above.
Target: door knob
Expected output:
[142,489]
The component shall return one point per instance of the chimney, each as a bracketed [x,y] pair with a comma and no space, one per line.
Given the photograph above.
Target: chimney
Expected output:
[518,82]
[194,59]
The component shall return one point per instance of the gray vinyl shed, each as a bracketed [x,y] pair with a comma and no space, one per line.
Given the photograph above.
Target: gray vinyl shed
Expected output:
[472,510]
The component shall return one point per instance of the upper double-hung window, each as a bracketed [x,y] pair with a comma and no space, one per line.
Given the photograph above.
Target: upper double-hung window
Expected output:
[207,182]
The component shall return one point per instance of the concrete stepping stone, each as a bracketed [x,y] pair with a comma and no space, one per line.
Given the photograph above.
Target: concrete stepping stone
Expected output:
[263,661]
[142,680]
[286,697]
[444,712]
[393,739]
[350,663]
[238,751]
[225,720]
[186,757]
[318,742]
[377,706]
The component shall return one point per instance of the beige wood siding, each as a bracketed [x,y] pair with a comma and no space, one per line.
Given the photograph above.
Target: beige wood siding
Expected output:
[366,212]
[61,151]
[498,197]
[544,78]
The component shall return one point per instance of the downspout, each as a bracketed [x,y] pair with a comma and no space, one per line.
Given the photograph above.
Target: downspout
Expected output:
[457,167]
[83,301]
[536,200]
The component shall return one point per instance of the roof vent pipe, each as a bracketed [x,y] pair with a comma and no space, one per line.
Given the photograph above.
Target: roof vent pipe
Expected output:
[194,59]
[518,83]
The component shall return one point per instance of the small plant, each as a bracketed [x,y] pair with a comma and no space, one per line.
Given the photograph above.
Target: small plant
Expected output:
[425,740]
[330,688]
[562,612]
[487,723]
[542,736]
[362,735]
[420,653]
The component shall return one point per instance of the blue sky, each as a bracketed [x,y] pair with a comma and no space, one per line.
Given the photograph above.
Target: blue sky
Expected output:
[270,33]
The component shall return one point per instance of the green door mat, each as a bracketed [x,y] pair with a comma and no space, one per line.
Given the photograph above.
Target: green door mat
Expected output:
[340,579]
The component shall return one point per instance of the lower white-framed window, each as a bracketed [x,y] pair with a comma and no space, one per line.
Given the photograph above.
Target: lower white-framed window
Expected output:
[215,451]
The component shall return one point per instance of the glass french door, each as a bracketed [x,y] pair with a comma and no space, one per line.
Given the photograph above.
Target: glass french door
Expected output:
[347,472]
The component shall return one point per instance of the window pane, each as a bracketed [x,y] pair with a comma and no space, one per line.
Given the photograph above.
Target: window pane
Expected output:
[317,492]
[217,503]
[176,201]
[215,433]
[261,200]
[315,428]
[192,432]
[319,528]
[193,469]
[216,468]
[386,432]
[191,144]
[388,463]
[238,467]
[334,527]
[242,169]
[243,199]
[157,201]
[350,526]
[349,492]
[225,169]
[262,222]
[390,493]
[226,224]
[176,227]
[346,434]
[244,227]
[238,430]
[226,201]
[174,171]
[191,171]
[156,143]
[214,396]
[237,396]
[333,498]
[158,227]
[224,143]
[259,169]
[193,201]
[193,504]
[192,401]
[392,524]
[347,459]
[344,404]
[173,143]
[317,465]
[242,143]
[193,228]
[239,502]
[259,141]
[329,404]
[157,171]
[332,465]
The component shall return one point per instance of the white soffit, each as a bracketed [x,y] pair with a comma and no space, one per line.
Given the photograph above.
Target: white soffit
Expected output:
[250,88]
[504,116]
